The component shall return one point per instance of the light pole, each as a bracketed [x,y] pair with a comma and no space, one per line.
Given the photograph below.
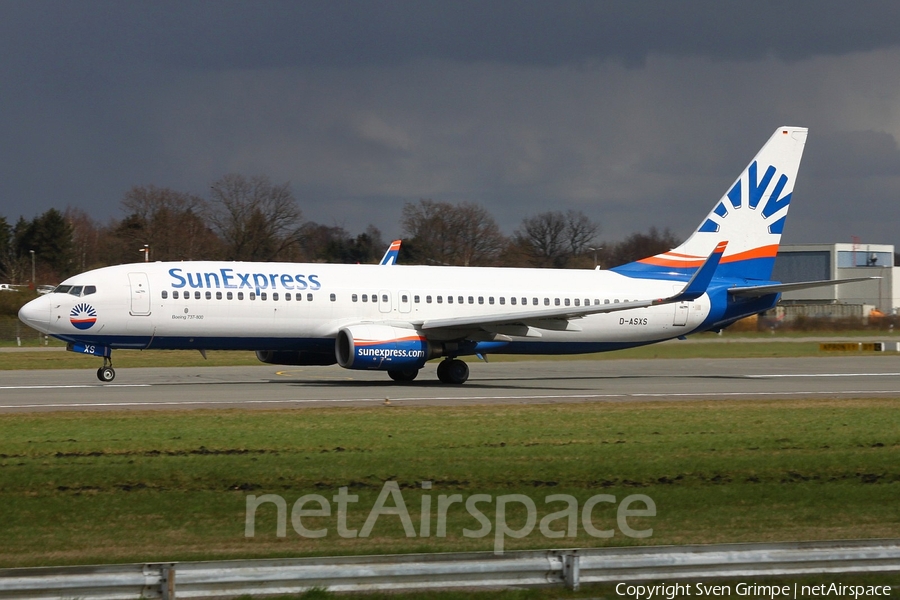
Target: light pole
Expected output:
[32,269]
[596,264]
[146,251]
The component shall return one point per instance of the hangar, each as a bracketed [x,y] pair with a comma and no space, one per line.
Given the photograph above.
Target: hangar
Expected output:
[808,262]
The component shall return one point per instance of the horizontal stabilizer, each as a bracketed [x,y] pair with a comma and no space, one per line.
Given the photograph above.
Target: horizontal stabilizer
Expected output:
[777,288]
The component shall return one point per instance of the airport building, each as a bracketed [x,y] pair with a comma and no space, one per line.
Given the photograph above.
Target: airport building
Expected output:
[810,262]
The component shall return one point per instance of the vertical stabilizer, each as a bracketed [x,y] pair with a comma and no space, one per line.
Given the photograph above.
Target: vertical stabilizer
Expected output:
[750,217]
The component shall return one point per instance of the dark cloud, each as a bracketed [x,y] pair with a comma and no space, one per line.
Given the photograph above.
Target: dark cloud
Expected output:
[241,34]
[638,113]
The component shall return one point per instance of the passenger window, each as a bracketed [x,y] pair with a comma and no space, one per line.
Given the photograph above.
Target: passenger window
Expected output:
[365,298]
[76,290]
[298,297]
[240,295]
[384,298]
[577,301]
[416,299]
[333,297]
[502,300]
[253,295]
[274,295]
[449,299]
[89,289]
[165,294]
[209,295]
[440,299]
[459,299]
[309,297]
[427,299]
[490,300]
[196,295]
[511,301]
[568,302]
[218,295]
[471,300]
[404,298]
[229,296]
[534,301]
[546,301]
[606,301]
[287,297]
[480,299]
[556,301]
[175,295]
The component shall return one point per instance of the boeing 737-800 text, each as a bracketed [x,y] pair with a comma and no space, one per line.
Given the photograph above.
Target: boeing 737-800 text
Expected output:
[397,319]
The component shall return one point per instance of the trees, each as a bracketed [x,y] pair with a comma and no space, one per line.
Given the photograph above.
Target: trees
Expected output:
[446,234]
[255,219]
[640,245]
[554,239]
[171,223]
[50,236]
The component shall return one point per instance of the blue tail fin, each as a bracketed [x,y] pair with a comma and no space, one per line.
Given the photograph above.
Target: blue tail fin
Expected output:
[750,217]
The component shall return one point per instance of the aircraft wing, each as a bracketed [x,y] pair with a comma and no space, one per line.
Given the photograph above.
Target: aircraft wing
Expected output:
[777,288]
[555,317]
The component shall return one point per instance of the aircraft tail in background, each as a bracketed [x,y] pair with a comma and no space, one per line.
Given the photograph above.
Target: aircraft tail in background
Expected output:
[393,251]
[750,217]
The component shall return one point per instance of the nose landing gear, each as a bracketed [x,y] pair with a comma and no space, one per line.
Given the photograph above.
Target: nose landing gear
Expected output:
[106,373]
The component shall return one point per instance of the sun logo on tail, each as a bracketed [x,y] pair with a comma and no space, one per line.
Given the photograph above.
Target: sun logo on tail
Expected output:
[83,316]
[752,190]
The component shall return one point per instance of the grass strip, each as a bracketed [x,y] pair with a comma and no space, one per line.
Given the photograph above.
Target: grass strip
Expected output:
[80,488]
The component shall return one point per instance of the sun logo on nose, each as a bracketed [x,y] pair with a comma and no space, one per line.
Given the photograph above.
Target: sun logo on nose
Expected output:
[83,316]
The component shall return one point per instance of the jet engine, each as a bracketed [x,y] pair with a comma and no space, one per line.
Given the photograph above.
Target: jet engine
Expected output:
[383,348]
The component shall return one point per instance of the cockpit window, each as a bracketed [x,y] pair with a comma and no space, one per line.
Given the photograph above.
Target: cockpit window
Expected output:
[62,289]
[76,290]
[89,289]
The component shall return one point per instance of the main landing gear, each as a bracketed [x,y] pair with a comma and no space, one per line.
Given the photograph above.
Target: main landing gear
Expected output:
[106,373]
[453,370]
[403,375]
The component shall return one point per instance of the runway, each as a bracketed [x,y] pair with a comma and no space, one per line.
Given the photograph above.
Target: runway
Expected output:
[539,381]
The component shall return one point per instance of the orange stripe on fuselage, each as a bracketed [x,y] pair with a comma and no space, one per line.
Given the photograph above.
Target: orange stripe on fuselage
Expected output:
[660,260]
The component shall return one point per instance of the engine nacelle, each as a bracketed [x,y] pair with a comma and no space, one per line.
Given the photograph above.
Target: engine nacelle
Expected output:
[295,358]
[381,347]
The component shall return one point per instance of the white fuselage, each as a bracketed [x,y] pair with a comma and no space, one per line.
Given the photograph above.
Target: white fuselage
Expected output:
[273,306]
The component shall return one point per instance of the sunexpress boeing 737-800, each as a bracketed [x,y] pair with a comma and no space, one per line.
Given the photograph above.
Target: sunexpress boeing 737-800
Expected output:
[397,319]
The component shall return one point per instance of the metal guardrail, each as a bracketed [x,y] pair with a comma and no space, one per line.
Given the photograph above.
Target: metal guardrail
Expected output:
[432,571]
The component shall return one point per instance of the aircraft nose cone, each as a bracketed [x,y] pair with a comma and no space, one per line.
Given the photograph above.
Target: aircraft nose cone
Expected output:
[36,314]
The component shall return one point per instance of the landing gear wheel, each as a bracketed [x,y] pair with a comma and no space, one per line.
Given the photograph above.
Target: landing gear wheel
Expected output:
[106,374]
[453,371]
[403,375]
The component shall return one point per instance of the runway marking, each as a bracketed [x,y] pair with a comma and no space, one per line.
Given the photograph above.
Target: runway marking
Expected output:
[68,387]
[445,398]
[823,375]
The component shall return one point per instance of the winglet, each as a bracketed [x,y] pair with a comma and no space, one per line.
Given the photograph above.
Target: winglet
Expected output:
[390,257]
[696,287]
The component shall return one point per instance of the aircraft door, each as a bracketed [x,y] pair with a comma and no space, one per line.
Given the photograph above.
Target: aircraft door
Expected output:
[384,301]
[405,305]
[140,294]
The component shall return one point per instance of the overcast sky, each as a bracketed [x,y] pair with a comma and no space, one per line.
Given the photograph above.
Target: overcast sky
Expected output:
[637,113]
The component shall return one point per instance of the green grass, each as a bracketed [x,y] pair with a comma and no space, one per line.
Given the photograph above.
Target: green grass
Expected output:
[131,487]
